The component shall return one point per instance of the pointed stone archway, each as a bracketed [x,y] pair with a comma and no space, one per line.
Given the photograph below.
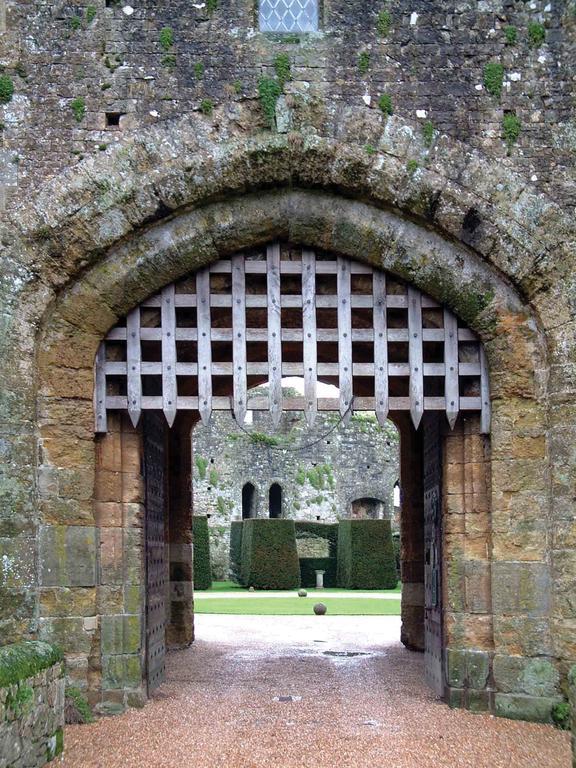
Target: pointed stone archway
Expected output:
[180,214]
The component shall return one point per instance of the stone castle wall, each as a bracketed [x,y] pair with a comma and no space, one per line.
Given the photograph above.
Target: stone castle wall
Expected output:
[321,470]
[73,63]
[99,217]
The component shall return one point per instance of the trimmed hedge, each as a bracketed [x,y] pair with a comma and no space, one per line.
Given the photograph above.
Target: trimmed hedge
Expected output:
[366,558]
[201,541]
[269,556]
[308,566]
[236,550]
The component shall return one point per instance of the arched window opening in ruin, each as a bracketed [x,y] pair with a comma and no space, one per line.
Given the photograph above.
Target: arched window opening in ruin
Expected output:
[367,509]
[248,501]
[275,500]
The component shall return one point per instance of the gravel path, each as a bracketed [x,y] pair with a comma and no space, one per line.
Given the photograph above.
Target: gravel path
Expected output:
[220,707]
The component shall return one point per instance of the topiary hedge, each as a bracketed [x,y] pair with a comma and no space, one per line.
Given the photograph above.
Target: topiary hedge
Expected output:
[366,558]
[236,550]
[201,541]
[269,556]
[309,565]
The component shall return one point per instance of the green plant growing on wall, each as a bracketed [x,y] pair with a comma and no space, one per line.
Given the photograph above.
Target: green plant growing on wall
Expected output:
[221,505]
[370,149]
[21,70]
[300,476]
[511,127]
[283,68]
[90,14]
[213,478]
[364,62]
[75,22]
[493,78]
[561,715]
[201,466]
[385,104]
[536,34]
[166,38]
[207,107]
[199,69]
[428,133]
[261,438]
[6,89]
[511,35]
[211,6]
[78,106]
[269,92]
[384,23]
[20,701]
[238,87]
[412,166]
[76,708]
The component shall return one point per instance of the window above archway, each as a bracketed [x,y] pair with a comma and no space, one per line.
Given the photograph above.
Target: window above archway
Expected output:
[288,15]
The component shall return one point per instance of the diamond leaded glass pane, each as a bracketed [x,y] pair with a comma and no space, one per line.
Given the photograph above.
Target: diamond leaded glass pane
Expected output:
[289,15]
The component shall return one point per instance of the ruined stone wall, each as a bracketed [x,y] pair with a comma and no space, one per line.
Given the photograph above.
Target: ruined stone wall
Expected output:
[321,470]
[31,705]
[72,63]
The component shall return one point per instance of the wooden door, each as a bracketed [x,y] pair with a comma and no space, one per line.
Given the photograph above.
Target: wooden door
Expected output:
[154,467]
[434,645]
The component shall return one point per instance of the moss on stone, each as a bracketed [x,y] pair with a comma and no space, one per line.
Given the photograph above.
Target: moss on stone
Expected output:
[364,62]
[20,661]
[166,38]
[269,91]
[76,707]
[283,68]
[201,466]
[536,34]
[494,78]
[6,89]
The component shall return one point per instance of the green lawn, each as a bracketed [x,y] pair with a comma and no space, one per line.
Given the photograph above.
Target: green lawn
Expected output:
[295,606]
[229,586]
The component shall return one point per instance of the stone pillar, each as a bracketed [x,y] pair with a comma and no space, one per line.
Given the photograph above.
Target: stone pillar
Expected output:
[179,602]
[466,577]
[117,673]
[411,535]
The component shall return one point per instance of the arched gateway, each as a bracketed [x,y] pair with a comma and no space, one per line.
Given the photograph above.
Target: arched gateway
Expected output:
[204,340]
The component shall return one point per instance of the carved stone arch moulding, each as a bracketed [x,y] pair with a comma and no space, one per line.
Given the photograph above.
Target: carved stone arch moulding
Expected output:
[205,339]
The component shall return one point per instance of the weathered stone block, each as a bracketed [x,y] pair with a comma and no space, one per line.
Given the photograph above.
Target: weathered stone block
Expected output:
[68,556]
[120,634]
[521,588]
[111,556]
[537,709]
[18,562]
[456,668]
[477,669]
[121,671]
[522,636]
[534,677]
[68,601]
[67,633]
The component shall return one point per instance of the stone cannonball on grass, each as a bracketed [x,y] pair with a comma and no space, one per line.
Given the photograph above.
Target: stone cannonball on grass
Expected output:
[320,609]
[302,593]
